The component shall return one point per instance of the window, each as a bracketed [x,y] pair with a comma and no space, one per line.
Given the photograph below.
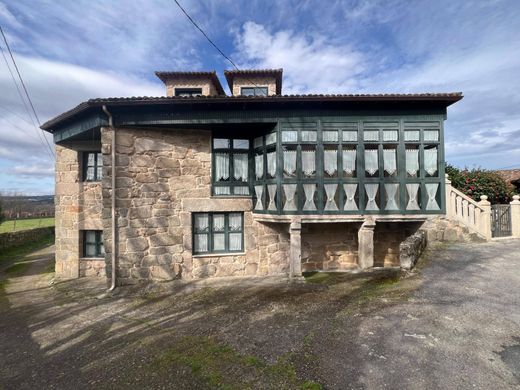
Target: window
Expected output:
[93,243]
[188,92]
[92,166]
[253,91]
[230,166]
[218,232]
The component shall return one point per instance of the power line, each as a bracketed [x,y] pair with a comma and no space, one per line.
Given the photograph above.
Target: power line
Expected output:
[209,40]
[39,136]
[24,88]
[205,35]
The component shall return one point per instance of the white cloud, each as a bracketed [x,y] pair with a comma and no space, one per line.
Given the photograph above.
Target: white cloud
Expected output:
[310,64]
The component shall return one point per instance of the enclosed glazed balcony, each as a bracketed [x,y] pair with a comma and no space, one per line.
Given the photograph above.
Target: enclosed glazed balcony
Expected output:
[388,167]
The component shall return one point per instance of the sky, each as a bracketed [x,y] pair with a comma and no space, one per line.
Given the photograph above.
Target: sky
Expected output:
[70,51]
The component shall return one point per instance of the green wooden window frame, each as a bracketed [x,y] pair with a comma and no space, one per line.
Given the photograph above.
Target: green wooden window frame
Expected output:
[209,233]
[188,92]
[236,187]
[254,91]
[341,133]
[93,243]
[92,162]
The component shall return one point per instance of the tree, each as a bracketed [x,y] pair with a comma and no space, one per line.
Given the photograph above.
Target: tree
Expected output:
[2,216]
[478,181]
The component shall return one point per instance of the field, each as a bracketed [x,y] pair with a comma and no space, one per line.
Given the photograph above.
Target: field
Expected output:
[24,224]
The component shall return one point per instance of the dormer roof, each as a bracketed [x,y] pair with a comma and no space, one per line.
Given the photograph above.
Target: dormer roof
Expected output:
[254,73]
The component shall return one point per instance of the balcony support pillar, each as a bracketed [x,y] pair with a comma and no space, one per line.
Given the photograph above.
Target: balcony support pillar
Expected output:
[366,243]
[295,251]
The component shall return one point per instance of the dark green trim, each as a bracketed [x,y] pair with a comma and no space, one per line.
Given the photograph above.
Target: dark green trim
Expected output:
[79,126]
[98,162]
[209,234]
[98,243]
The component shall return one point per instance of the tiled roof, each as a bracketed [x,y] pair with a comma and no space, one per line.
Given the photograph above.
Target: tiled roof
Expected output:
[510,175]
[168,75]
[447,98]
[277,73]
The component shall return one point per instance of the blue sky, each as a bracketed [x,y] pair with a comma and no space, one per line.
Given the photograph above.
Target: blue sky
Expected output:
[72,51]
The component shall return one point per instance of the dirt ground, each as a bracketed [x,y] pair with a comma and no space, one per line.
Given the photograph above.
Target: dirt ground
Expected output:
[452,323]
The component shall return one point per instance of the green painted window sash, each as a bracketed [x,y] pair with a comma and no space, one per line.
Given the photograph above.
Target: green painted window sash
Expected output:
[210,232]
[360,178]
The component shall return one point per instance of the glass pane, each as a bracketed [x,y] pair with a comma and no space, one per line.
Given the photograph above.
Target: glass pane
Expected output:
[218,222]
[90,237]
[221,143]
[240,144]
[219,241]
[91,159]
[308,162]
[371,135]
[90,174]
[309,136]
[349,136]
[201,222]
[99,173]
[90,250]
[411,135]
[431,135]
[259,166]
[101,248]
[221,166]
[247,91]
[200,243]
[221,190]
[390,135]
[235,221]
[289,136]
[99,159]
[330,136]
[240,166]
[235,241]
[241,190]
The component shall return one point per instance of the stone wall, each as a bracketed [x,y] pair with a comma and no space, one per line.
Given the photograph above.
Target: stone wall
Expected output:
[162,177]
[387,238]
[251,81]
[208,89]
[92,267]
[443,229]
[22,237]
[329,246]
[411,249]
[78,207]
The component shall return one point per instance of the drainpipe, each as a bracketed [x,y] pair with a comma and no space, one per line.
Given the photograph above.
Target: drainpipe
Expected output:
[113,195]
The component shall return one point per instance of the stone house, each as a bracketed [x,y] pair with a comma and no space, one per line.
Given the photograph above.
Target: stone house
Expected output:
[200,184]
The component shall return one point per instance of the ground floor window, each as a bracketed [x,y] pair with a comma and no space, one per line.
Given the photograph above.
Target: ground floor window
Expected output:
[218,232]
[93,243]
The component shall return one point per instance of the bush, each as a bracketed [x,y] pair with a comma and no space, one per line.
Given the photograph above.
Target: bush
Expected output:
[2,216]
[478,181]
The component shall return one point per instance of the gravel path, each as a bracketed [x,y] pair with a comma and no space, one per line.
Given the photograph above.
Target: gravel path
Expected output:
[453,323]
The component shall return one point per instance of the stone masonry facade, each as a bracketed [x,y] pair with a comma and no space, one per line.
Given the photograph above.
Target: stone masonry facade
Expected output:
[162,177]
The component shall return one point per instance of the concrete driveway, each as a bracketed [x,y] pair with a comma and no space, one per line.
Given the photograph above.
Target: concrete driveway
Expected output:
[452,323]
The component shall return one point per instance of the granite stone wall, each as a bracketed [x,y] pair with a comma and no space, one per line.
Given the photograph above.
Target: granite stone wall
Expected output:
[162,177]
[23,237]
[78,207]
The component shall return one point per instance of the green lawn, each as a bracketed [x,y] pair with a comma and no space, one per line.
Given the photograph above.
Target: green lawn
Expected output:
[24,224]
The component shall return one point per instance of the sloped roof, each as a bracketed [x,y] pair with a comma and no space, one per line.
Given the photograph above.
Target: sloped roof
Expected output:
[211,75]
[509,175]
[276,73]
[445,98]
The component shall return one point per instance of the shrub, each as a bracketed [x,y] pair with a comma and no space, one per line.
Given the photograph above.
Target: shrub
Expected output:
[478,181]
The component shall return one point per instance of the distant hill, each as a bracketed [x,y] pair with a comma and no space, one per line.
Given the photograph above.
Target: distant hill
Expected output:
[26,206]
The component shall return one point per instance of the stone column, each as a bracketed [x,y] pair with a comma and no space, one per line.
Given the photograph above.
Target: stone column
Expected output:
[515,216]
[485,217]
[295,251]
[449,206]
[366,243]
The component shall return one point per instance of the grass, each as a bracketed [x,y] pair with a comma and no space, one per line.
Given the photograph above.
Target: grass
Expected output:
[20,251]
[25,224]
[17,268]
[221,367]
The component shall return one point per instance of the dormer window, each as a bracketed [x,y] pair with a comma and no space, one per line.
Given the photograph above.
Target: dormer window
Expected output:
[188,92]
[253,91]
